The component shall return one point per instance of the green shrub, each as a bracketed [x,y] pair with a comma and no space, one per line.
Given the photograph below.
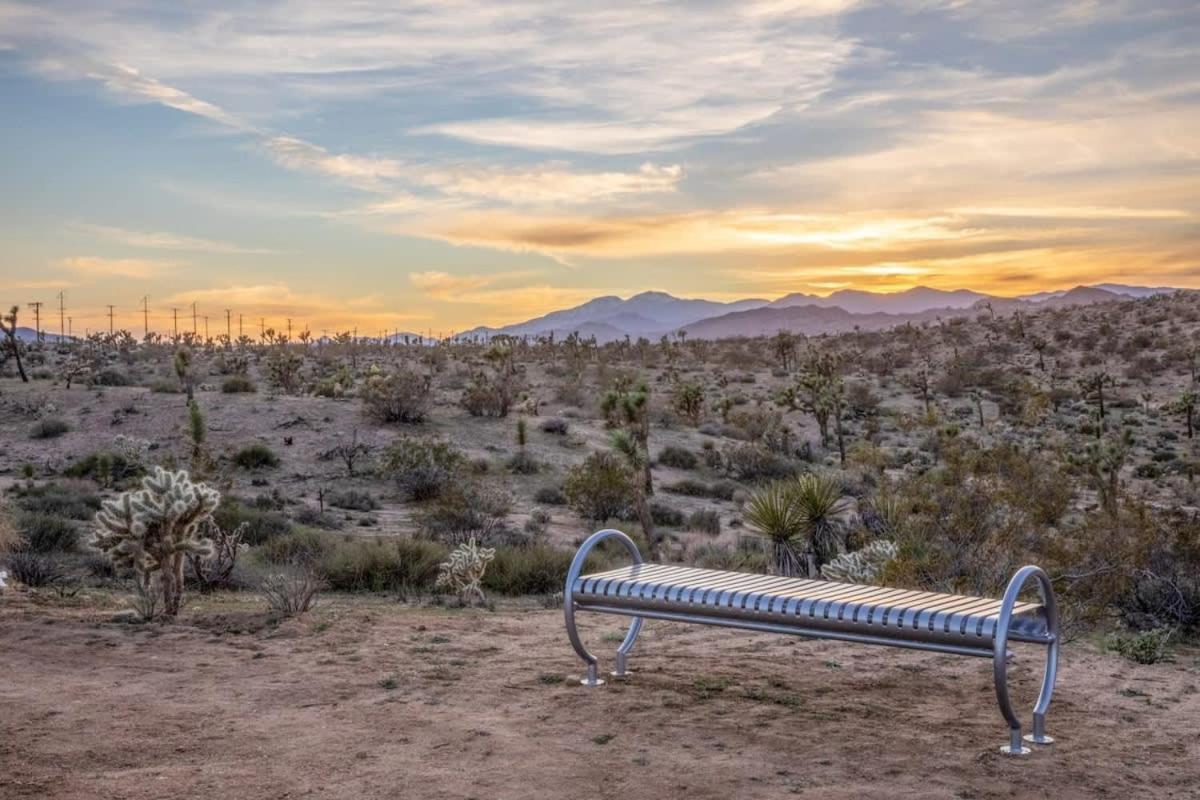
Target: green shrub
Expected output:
[421,468]
[522,463]
[49,428]
[678,457]
[550,496]
[556,426]
[256,456]
[111,377]
[262,525]
[74,501]
[535,569]
[301,547]
[372,565]
[704,521]
[35,569]
[755,463]
[465,510]
[46,533]
[665,515]
[352,499]
[104,467]
[601,487]
[166,386]
[238,384]
[1147,647]
[403,396]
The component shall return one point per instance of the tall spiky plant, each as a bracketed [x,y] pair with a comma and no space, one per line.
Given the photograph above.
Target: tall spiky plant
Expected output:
[802,520]
[154,529]
[8,326]
[772,512]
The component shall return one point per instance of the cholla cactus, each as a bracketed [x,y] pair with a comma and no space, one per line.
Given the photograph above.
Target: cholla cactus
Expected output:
[861,566]
[154,529]
[464,570]
[132,449]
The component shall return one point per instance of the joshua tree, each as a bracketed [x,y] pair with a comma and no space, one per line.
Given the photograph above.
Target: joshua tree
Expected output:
[784,345]
[628,406]
[822,380]
[183,370]
[689,401]
[154,529]
[638,459]
[1186,405]
[1093,385]
[8,326]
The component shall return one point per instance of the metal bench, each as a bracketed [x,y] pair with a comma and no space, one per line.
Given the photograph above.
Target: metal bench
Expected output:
[942,623]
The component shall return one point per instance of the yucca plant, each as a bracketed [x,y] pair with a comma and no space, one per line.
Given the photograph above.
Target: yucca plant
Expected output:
[801,519]
[772,511]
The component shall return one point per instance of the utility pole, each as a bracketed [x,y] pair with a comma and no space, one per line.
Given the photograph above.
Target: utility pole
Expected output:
[289,323]
[228,326]
[194,329]
[206,327]
[110,320]
[146,317]
[37,318]
[175,321]
[262,327]
[62,313]
[240,334]
[69,321]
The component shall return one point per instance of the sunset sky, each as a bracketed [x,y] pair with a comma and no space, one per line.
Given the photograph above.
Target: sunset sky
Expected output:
[445,164]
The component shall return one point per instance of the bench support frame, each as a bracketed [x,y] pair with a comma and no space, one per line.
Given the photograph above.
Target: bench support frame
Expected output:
[999,653]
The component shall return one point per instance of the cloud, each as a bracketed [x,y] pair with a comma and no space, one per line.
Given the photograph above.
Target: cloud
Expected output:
[362,171]
[169,241]
[100,267]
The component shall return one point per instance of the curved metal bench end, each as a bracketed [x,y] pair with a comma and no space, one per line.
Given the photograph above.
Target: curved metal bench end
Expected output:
[577,564]
[1016,742]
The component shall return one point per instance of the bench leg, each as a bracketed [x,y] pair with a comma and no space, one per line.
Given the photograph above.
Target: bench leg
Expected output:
[622,670]
[1016,742]
[593,678]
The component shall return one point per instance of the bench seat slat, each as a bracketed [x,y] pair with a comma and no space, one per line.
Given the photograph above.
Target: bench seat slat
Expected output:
[810,604]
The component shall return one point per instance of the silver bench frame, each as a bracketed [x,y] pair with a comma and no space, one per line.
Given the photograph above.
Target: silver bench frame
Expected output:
[999,652]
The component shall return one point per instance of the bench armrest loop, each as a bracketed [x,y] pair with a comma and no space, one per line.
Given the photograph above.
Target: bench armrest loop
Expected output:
[1000,651]
[573,574]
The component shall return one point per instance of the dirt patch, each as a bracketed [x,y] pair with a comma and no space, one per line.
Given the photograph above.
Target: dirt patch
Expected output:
[368,699]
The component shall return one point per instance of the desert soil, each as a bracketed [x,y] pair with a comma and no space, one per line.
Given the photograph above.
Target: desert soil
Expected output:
[367,698]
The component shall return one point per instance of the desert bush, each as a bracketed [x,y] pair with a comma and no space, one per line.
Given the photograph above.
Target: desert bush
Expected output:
[601,487]
[301,546]
[704,521]
[421,468]
[754,463]
[403,396]
[489,395]
[283,369]
[46,533]
[316,518]
[534,569]
[111,377]
[214,570]
[801,520]
[9,540]
[62,499]
[689,487]
[261,524]
[730,559]
[238,384]
[352,499]
[49,428]
[374,566]
[466,510]
[550,496]
[555,425]
[256,456]
[1146,647]
[106,468]
[291,592]
[666,516]
[35,570]
[522,462]
[677,457]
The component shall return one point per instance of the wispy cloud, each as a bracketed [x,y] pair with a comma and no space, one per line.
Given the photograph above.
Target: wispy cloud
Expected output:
[100,267]
[161,240]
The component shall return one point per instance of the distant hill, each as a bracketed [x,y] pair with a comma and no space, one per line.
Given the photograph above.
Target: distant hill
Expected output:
[654,314]
[909,301]
[30,335]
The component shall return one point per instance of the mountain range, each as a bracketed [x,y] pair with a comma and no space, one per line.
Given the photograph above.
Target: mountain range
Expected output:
[655,314]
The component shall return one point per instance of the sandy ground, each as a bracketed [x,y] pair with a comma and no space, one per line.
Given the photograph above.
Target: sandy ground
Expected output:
[370,699]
